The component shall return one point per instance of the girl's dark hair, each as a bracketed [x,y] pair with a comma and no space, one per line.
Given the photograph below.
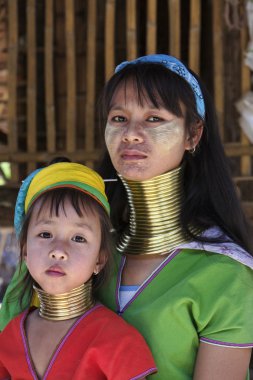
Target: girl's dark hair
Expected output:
[82,203]
[210,197]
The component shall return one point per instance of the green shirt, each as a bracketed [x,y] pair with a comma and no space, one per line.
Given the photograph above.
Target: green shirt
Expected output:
[192,296]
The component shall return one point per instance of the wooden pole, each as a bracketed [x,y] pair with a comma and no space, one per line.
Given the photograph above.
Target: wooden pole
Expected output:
[151,26]
[49,76]
[90,78]
[245,87]
[31,81]
[131,29]
[109,38]
[12,83]
[194,35]
[218,62]
[174,27]
[71,75]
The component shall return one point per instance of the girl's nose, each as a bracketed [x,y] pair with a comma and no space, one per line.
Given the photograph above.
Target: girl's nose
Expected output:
[58,254]
[133,133]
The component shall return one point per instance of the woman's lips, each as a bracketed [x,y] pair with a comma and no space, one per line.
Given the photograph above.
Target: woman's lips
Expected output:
[133,155]
[55,271]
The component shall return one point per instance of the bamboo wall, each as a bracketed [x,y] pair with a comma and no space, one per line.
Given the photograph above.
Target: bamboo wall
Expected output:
[60,52]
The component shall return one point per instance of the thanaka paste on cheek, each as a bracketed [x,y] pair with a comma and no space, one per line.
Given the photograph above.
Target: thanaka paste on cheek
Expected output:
[167,135]
[111,134]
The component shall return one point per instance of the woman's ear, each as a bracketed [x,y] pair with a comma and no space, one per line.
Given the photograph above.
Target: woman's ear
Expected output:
[101,261]
[195,136]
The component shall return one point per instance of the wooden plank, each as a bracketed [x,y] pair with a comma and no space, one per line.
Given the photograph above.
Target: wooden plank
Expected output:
[49,76]
[90,78]
[151,26]
[218,63]
[194,35]
[245,87]
[174,7]
[12,83]
[71,75]
[243,179]
[231,149]
[237,150]
[23,157]
[131,34]
[109,38]
[31,80]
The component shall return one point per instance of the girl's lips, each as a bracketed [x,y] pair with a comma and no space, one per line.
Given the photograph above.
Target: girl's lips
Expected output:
[55,271]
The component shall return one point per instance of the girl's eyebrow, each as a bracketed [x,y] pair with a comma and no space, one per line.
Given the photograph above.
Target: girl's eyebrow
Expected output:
[83,225]
[43,221]
[50,222]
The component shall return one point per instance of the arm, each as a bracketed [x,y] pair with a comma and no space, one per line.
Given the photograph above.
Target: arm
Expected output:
[221,363]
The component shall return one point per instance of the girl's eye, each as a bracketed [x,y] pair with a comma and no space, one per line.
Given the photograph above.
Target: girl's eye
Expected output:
[79,239]
[118,119]
[45,235]
[154,119]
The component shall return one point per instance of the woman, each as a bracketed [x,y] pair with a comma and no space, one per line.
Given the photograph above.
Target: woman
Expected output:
[184,276]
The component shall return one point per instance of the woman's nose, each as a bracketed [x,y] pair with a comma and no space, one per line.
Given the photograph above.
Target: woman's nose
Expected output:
[133,133]
[58,254]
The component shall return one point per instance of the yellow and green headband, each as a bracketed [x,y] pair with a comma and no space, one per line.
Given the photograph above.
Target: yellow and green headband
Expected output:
[58,175]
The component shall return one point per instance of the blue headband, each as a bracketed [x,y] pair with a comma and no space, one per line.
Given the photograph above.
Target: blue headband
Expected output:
[177,67]
[20,202]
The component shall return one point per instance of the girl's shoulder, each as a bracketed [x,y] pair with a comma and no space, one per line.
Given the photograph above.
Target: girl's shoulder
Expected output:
[16,321]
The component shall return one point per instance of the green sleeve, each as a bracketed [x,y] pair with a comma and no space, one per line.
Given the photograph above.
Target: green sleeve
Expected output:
[11,305]
[229,290]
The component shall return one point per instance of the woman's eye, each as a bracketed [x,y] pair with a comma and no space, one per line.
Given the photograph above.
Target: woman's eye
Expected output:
[45,235]
[119,119]
[79,239]
[154,119]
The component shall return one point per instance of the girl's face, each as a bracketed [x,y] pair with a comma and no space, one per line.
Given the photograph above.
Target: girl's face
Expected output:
[143,141]
[63,251]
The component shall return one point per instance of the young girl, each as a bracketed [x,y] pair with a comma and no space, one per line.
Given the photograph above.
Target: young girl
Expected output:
[62,218]
[184,276]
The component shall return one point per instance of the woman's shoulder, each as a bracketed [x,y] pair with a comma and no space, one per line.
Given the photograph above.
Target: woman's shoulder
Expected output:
[226,251]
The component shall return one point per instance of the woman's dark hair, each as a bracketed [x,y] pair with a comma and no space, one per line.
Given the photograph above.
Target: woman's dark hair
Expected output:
[210,197]
[82,203]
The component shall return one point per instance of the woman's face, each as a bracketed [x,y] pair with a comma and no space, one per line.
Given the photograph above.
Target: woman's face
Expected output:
[143,141]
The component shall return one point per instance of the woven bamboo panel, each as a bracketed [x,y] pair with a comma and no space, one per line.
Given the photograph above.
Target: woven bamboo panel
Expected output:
[61,52]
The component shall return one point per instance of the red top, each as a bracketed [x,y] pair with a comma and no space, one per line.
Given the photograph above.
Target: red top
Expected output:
[100,345]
